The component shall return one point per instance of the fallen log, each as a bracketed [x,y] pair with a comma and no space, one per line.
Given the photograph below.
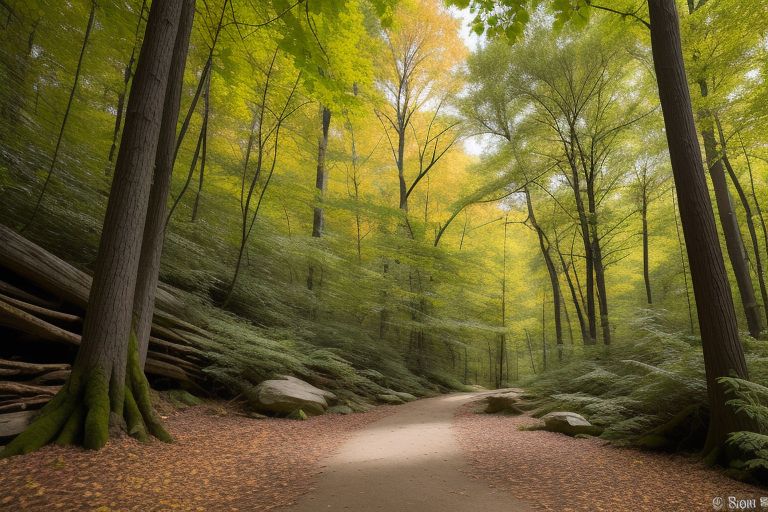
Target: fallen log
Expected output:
[12,368]
[18,319]
[24,403]
[11,316]
[179,357]
[14,423]
[9,289]
[166,319]
[54,275]
[182,349]
[55,377]
[24,389]
[38,310]
[162,369]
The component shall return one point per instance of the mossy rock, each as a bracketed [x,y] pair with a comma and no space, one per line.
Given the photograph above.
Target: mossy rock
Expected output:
[182,399]
[390,399]
[405,397]
[373,375]
[298,414]
[360,406]
[340,409]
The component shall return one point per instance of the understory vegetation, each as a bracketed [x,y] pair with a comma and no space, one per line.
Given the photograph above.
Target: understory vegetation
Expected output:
[650,394]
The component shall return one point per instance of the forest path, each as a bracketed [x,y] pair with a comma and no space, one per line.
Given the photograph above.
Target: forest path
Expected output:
[406,462]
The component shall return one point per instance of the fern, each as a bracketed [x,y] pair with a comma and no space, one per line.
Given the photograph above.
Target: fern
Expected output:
[754,445]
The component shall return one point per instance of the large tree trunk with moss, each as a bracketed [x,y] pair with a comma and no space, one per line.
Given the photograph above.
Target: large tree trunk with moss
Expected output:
[723,353]
[107,384]
[154,227]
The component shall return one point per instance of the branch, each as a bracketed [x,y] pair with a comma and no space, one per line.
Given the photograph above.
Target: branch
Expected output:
[622,14]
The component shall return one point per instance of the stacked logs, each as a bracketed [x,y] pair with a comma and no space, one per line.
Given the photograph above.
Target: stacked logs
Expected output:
[43,298]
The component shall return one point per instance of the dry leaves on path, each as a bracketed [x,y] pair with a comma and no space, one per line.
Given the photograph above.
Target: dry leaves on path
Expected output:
[218,463]
[561,474]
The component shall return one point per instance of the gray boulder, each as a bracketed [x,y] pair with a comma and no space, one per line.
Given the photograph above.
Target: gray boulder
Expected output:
[287,394]
[569,423]
[507,403]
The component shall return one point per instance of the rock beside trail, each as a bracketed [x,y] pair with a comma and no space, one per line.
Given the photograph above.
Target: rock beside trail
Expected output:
[393,397]
[389,398]
[373,375]
[287,394]
[507,403]
[568,423]
[405,397]
[340,409]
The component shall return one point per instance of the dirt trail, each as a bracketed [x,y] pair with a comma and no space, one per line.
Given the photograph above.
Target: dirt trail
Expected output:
[409,461]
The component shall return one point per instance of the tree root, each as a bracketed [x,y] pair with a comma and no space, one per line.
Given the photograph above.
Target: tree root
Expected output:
[80,413]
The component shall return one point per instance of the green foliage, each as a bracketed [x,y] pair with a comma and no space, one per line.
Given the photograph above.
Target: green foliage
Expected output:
[754,445]
[751,400]
[632,390]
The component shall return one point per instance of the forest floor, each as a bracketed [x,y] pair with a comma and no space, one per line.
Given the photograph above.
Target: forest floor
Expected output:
[563,474]
[430,455]
[220,461]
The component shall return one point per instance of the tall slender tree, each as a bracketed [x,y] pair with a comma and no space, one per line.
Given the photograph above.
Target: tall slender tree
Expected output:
[154,227]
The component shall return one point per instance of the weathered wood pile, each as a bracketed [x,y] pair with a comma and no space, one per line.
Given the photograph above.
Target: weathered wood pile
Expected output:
[42,301]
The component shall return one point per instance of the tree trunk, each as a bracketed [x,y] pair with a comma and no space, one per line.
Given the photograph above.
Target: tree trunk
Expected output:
[752,231]
[204,78]
[734,242]
[588,254]
[575,297]
[321,181]
[154,227]
[503,338]
[107,383]
[401,167]
[204,154]
[748,216]
[646,272]
[599,267]
[755,199]
[554,280]
[723,353]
